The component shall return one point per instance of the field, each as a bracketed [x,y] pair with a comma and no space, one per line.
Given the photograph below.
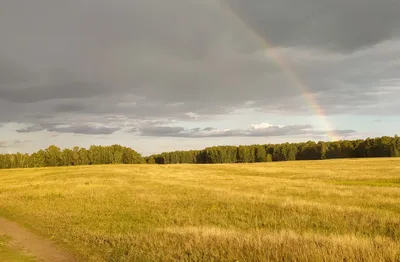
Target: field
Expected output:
[334,210]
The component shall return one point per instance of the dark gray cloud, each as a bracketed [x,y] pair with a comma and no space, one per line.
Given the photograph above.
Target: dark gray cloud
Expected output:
[76,62]
[73,129]
[262,130]
[86,130]
[31,129]
[341,25]
[10,73]
[69,107]
[35,94]
[161,130]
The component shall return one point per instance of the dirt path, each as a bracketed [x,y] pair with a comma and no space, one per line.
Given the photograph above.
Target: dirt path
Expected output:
[41,248]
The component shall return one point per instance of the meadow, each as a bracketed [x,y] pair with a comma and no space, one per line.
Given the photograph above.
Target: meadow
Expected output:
[331,210]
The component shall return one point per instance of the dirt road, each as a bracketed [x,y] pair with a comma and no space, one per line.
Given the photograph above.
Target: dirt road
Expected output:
[41,248]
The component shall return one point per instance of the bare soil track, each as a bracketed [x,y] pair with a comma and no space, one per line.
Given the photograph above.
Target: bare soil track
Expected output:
[41,248]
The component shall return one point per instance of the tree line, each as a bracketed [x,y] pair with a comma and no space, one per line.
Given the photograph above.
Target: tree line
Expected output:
[117,154]
[54,156]
[371,147]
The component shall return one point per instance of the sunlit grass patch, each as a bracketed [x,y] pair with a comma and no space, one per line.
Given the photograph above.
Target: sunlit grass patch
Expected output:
[378,183]
[245,212]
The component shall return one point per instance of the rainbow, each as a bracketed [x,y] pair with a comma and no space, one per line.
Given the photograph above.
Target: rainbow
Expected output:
[287,70]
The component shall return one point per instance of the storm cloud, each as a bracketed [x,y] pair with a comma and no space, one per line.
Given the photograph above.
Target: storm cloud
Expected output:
[66,64]
[340,26]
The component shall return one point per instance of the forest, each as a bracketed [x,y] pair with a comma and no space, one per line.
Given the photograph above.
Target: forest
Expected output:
[116,154]
[370,147]
[54,156]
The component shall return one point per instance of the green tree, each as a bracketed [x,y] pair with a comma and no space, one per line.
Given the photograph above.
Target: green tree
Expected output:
[53,156]
[260,153]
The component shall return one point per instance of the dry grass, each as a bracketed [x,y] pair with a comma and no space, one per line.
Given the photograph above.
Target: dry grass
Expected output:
[336,210]
[9,252]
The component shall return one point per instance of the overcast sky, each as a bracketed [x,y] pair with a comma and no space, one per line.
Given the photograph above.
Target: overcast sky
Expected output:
[160,75]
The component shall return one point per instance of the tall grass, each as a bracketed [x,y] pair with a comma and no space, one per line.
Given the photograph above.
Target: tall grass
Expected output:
[332,210]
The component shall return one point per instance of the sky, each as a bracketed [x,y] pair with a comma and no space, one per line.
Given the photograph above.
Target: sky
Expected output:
[160,75]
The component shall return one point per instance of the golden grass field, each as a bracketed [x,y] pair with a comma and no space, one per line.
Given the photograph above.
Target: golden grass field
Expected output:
[333,210]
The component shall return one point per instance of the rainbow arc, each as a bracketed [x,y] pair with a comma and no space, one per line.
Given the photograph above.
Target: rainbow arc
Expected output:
[286,68]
